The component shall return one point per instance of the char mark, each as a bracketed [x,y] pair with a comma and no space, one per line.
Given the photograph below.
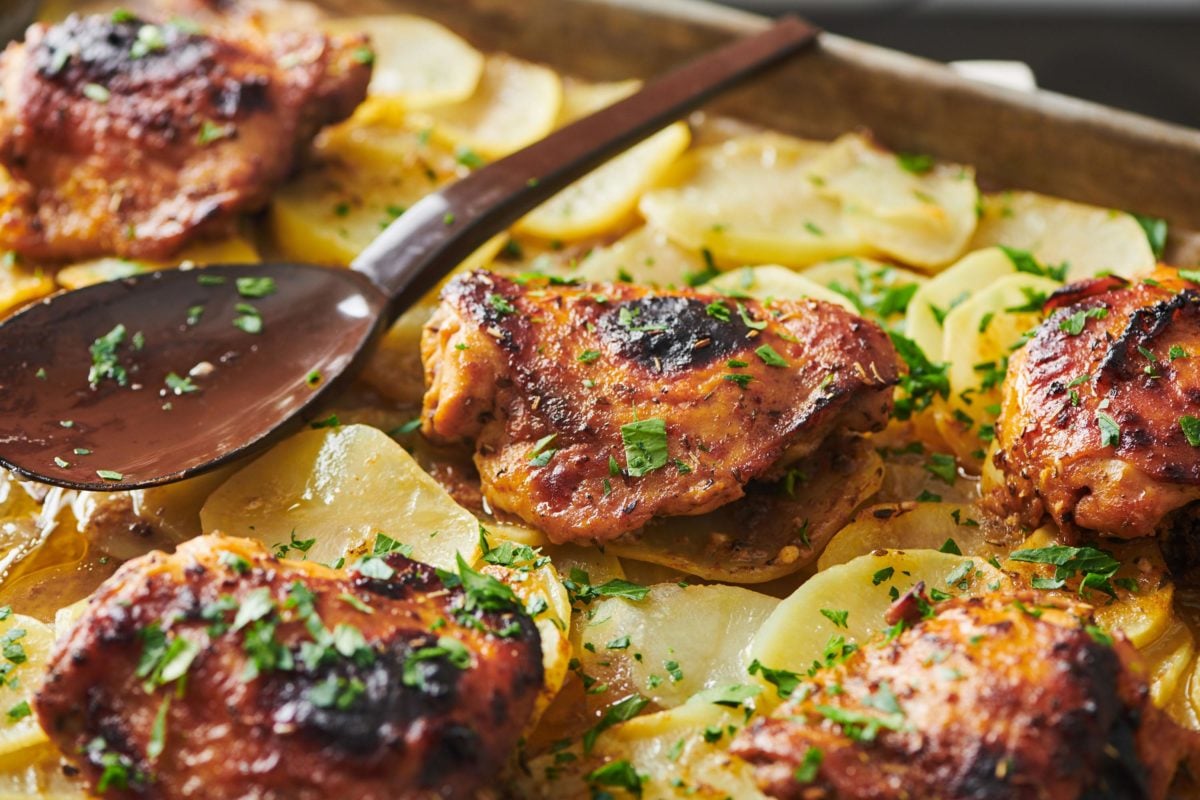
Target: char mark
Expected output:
[1145,325]
[671,334]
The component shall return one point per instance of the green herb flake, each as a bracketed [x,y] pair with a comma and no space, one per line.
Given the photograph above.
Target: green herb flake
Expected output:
[837,617]
[1110,430]
[810,766]
[179,385]
[645,444]
[96,93]
[110,475]
[1191,429]
[256,287]
[770,357]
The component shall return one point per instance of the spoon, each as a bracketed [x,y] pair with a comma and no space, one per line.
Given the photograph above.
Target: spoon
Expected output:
[162,376]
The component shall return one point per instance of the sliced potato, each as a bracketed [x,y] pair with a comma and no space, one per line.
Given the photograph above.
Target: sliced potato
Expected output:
[645,256]
[19,729]
[671,644]
[231,250]
[977,338]
[776,283]
[752,200]
[923,217]
[515,104]
[37,772]
[910,526]
[1168,658]
[333,210]
[1087,238]
[924,320]
[795,635]
[607,196]
[769,533]
[417,62]
[877,289]
[342,486]
[19,284]
[669,750]
[581,97]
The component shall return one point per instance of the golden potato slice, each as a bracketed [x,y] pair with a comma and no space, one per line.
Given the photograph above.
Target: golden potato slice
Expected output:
[417,62]
[1168,659]
[925,318]
[922,215]
[977,338]
[25,644]
[752,200]
[231,250]
[671,644]
[645,256]
[776,530]
[581,98]
[679,753]
[19,284]
[776,283]
[877,289]
[608,195]
[1088,239]
[910,526]
[515,104]
[339,487]
[37,772]
[797,633]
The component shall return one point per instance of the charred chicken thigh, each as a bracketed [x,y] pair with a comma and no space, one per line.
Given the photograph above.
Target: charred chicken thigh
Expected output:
[596,408]
[990,697]
[220,671]
[128,137]
[1099,427]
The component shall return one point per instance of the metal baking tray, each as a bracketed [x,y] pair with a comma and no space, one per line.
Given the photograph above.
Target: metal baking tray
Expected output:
[1037,140]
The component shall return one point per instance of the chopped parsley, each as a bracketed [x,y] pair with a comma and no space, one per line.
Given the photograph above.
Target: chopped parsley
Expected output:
[1110,430]
[922,382]
[784,681]
[249,320]
[105,362]
[588,356]
[619,774]
[212,132]
[943,466]
[718,311]
[19,712]
[623,710]
[1073,324]
[1024,261]
[110,475]
[1191,429]
[542,452]
[1096,566]
[179,385]
[770,357]
[916,163]
[256,287]
[96,93]
[500,304]
[861,727]
[837,617]
[1156,232]
[810,766]
[645,446]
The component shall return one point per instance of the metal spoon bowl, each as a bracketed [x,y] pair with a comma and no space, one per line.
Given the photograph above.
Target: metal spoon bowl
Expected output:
[205,369]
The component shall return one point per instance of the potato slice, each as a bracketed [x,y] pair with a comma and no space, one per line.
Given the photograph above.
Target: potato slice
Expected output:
[878,290]
[608,195]
[1087,238]
[27,644]
[645,256]
[37,772]
[516,103]
[671,644]
[910,526]
[752,200]
[776,283]
[1168,659]
[581,97]
[927,310]
[921,216]
[341,487]
[417,62]
[796,634]
[20,285]
[232,250]
[769,533]
[977,338]
[669,750]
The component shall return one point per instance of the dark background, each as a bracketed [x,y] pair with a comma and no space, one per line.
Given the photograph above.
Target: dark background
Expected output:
[1141,55]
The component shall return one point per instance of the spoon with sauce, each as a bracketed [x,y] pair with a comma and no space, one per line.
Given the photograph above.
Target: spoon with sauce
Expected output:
[163,376]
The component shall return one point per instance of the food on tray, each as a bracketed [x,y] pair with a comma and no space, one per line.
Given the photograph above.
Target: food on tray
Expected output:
[746,466]
[127,136]
[1098,429]
[221,664]
[596,408]
[999,695]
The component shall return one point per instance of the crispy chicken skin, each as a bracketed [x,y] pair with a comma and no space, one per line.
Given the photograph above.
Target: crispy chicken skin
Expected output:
[993,697]
[508,365]
[345,702]
[1130,373]
[126,137]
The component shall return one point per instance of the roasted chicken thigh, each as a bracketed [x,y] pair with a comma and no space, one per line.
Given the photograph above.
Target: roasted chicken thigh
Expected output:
[122,136]
[992,697]
[1099,428]
[596,408]
[222,672]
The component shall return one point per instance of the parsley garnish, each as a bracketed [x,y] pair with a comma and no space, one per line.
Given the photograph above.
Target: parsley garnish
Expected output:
[1156,232]
[541,453]
[1110,431]
[922,383]
[620,774]
[943,466]
[588,356]
[810,767]
[500,304]
[256,287]
[1074,324]
[621,711]
[645,446]
[1025,262]
[1191,429]
[785,682]
[105,363]
[179,385]
[770,357]
[718,311]
[838,618]
[1096,566]
[915,163]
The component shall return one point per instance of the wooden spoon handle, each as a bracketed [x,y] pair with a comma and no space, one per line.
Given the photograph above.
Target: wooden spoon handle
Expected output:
[439,232]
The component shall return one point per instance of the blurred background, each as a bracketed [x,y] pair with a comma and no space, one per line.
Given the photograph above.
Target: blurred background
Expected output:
[1141,55]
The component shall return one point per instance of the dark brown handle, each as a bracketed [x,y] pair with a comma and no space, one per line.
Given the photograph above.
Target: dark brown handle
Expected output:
[436,234]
